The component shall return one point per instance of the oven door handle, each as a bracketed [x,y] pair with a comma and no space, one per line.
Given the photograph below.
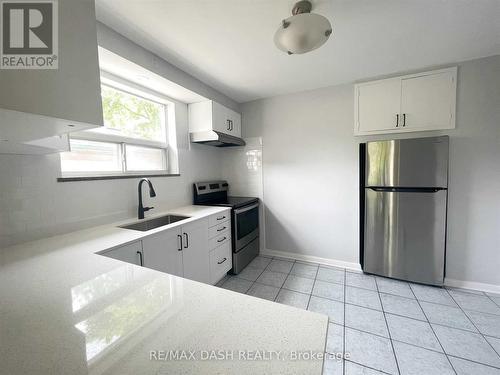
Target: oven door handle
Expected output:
[247,208]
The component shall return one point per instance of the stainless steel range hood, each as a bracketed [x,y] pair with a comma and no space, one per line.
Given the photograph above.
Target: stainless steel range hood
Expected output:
[215,138]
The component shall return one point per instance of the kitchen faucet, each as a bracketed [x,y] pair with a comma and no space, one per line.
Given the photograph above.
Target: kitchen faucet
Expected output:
[152,194]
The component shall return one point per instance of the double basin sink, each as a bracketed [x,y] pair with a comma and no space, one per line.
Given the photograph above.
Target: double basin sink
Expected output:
[145,225]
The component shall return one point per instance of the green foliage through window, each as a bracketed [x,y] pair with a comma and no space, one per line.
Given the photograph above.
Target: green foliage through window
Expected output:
[132,115]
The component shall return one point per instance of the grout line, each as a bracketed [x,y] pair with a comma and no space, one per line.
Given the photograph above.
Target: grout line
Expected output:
[394,340]
[343,328]
[432,329]
[365,366]
[492,300]
[281,287]
[471,360]
[310,294]
[253,282]
[463,290]
[388,330]
[324,351]
[483,336]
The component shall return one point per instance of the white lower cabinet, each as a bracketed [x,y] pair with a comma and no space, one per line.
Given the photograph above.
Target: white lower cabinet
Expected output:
[199,250]
[163,252]
[195,251]
[220,262]
[131,253]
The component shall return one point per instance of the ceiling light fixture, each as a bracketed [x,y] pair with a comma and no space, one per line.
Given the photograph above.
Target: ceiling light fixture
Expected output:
[303,31]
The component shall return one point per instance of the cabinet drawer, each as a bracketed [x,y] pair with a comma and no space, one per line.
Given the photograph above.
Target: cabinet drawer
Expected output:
[219,229]
[219,218]
[221,262]
[219,240]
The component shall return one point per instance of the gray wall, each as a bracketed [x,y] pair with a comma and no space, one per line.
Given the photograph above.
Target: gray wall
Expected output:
[310,168]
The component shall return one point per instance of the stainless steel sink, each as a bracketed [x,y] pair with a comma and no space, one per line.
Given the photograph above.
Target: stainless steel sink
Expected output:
[145,225]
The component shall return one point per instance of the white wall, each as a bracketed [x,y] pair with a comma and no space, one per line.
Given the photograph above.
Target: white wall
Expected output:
[242,168]
[117,43]
[310,168]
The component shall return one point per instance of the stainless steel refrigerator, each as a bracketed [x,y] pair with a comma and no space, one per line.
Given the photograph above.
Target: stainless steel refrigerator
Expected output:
[405,186]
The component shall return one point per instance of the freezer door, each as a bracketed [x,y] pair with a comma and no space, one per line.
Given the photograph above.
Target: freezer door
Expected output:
[418,162]
[405,235]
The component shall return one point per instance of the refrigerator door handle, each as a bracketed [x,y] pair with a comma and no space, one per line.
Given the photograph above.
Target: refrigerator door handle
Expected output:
[406,189]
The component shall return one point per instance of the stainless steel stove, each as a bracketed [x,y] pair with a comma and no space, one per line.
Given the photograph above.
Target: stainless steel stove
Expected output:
[244,219]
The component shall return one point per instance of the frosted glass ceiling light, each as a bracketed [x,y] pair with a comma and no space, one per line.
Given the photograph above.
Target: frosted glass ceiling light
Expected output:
[302,32]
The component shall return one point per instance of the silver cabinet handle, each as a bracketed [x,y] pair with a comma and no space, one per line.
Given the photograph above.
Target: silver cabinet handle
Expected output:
[221,218]
[221,229]
[140,258]
[222,261]
[222,239]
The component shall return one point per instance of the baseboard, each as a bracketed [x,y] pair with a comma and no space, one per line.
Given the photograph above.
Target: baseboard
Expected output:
[310,258]
[493,288]
[356,267]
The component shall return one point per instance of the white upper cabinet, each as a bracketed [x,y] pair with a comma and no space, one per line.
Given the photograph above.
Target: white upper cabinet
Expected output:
[209,115]
[428,101]
[37,104]
[378,105]
[417,102]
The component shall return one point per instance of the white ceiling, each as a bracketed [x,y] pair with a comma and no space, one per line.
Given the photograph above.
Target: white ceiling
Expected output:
[228,44]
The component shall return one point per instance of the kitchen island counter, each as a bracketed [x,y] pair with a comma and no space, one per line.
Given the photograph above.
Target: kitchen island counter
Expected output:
[66,310]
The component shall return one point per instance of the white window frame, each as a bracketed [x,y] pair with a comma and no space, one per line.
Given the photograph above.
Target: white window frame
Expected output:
[103,134]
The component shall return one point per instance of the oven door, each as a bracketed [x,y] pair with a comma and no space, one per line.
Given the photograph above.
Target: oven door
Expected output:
[246,225]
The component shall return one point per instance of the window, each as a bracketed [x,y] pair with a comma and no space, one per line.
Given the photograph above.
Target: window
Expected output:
[92,156]
[133,140]
[133,116]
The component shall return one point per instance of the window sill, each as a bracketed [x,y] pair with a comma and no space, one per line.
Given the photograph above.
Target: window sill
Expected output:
[111,177]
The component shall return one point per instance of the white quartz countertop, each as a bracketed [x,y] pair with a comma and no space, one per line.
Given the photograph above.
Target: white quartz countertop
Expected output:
[66,310]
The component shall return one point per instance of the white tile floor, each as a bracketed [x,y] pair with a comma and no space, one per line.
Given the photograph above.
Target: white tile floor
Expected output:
[386,326]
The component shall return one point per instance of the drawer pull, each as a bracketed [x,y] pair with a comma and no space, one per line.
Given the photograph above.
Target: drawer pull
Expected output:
[221,229]
[221,218]
[222,239]
[222,261]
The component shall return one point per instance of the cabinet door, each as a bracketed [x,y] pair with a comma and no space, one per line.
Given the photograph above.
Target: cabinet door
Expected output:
[235,126]
[377,105]
[195,252]
[130,253]
[221,119]
[162,252]
[428,101]
[71,94]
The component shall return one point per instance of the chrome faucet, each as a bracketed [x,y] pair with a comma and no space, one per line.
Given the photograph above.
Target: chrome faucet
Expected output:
[152,193]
